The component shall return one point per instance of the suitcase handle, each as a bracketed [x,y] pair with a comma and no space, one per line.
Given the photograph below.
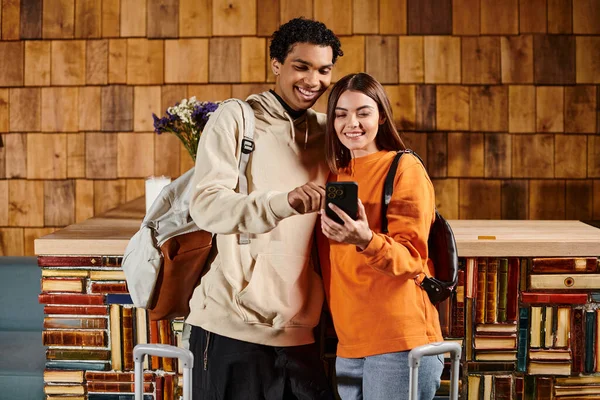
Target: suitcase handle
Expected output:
[185,356]
[432,349]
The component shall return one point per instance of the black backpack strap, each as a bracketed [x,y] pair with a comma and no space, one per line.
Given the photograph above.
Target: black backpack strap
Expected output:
[388,189]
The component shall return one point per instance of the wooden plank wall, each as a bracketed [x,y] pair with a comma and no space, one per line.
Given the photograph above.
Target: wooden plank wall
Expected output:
[501,98]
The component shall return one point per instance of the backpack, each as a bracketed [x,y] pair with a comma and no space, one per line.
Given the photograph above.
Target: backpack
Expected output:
[164,260]
[441,243]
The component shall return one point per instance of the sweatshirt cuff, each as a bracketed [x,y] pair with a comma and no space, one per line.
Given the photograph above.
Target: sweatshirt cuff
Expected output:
[280,206]
[374,247]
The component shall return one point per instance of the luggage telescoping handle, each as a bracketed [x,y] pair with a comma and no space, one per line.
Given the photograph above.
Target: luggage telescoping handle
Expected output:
[432,349]
[186,357]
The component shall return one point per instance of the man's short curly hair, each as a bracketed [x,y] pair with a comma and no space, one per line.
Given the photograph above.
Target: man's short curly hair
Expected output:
[303,30]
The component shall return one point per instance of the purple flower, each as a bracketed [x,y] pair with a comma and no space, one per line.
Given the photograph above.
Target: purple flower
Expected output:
[202,112]
[160,124]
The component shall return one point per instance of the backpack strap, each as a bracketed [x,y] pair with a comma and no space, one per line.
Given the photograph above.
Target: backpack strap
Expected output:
[247,148]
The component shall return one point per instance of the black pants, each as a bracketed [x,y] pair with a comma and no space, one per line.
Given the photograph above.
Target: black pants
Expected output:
[230,369]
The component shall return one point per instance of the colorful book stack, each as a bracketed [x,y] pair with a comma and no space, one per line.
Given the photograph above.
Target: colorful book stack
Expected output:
[91,327]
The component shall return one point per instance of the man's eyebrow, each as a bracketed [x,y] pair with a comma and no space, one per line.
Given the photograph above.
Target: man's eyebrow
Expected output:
[309,64]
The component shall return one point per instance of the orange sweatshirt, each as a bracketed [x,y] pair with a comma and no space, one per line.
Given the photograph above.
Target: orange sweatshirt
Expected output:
[375,303]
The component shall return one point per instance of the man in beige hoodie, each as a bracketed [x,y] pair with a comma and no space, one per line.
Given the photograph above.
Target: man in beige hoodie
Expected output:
[254,311]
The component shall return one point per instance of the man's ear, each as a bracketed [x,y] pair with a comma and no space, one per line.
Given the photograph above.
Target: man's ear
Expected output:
[275,66]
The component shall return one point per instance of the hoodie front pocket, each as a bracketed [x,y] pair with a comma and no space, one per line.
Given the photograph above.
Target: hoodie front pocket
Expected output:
[283,291]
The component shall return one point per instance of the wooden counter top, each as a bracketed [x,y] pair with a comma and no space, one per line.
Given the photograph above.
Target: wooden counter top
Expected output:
[108,234]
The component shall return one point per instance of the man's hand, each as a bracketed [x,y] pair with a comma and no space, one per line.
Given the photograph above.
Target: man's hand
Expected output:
[307,198]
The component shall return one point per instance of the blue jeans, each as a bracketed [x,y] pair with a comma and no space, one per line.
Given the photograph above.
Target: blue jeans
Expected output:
[385,377]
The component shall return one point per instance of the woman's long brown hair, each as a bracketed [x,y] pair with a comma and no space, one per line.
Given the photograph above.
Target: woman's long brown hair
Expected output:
[388,138]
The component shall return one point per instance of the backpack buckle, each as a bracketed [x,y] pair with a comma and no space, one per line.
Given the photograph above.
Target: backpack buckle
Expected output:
[247,146]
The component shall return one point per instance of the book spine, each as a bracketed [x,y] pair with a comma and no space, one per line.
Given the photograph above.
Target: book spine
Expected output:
[469,314]
[590,336]
[582,265]
[544,388]
[480,304]
[471,278]
[75,310]
[154,339]
[78,366]
[458,323]
[71,285]
[112,288]
[512,302]
[115,376]
[553,298]
[577,340]
[127,338]
[115,337]
[503,385]
[71,299]
[491,310]
[164,334]
[53,261]
[74,355]
[522,339]
[74,338]
[597,337]
[117,387]
[74,323]
[502,289]
[524,273]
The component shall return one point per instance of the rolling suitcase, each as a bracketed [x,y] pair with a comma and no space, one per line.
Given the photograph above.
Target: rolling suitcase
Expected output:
[433,349]
[163,350]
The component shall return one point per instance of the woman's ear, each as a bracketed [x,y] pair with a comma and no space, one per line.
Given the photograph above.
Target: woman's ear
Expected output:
[382,119]
[275,66]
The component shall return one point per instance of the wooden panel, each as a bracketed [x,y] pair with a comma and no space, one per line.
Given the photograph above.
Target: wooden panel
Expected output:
[452,108]
[29,236]
[111,18]
[466,17]
[209,92]
[88,19]
[593,159]
[145,59]
[570,155]
[59,203]
[392,17]
[499,17]
[580,109]
[172,94]
[417,141]
[498,155]
[89,108]
[429,17]
[16,155]
[109,194]
[133,18]
[25,203]
[532,16]
[517,59]
[167,163]
[253,59]
[186,60]
[411,58]
[597,110]
[531,156]
[68,62]
[10,19]
[442,59]
[117,108]
[4,98]
[129,162]
[46,156]
[76,155]
[586,14]
[353,60]
[546,199]
[134,188]
[25,110]
[466,157]
[521,108]
[336,14]
[446,197]
[117,61]
[294,9]
[58,20]
[2,159]
[224,59]
[146,101]
[31,19]
[402,98]
[560,16]
[58,106]
[96,62]
[588,59]
[554,59]
[267,15]
[11,242]
[515,199]
[481,60]
[437,154]
[230,17]
[84,204]
[382,58]
[489,108]
[426,108]
[480,199]
[101,155]
[549,109]
[3,203]
[163,19]
[365,17]
[596,206]
[579,199]
[37,63]
[11,63]
[194,20]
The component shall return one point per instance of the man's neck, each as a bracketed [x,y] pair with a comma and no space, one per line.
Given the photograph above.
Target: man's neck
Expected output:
[293,113]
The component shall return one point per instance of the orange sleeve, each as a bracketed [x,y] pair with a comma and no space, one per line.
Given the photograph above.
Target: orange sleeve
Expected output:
[403,251]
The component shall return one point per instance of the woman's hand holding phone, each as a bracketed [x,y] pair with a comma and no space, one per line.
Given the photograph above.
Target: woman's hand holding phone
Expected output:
[356,232]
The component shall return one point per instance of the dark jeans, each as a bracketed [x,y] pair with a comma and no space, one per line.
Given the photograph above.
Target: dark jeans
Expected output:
[230,369]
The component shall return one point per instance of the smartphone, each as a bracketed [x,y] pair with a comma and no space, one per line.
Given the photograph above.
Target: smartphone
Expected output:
[345,196]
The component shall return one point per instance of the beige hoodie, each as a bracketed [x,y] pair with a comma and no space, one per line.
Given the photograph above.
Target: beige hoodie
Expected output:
[265,292]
